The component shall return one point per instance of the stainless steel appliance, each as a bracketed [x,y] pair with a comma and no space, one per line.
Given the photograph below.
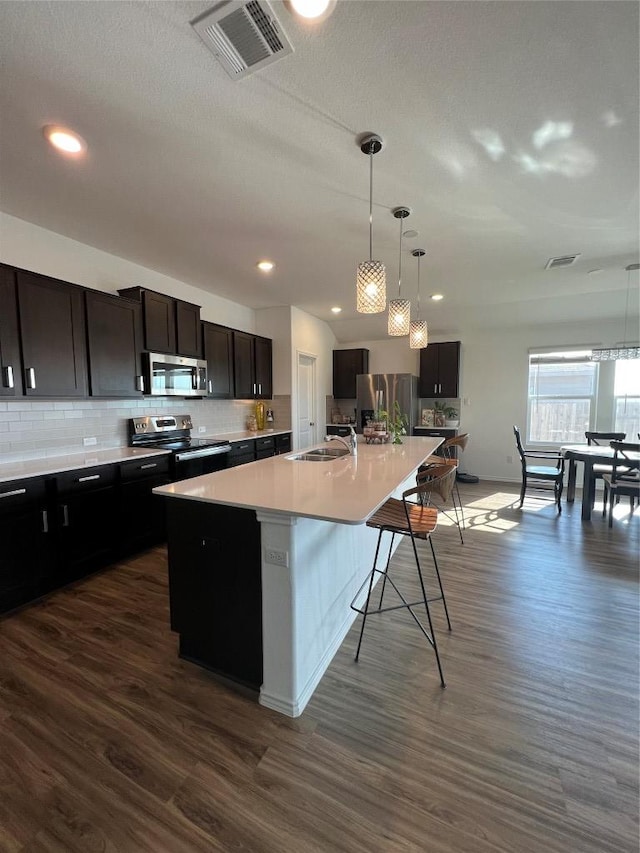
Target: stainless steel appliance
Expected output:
[190,457]
[174,375]
[375,391]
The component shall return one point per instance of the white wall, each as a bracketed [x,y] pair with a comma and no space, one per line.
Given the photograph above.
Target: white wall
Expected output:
[275,323]
[393,355]
[25,245]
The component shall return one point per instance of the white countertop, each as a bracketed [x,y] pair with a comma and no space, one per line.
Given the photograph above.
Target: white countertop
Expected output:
[345,490]
[71,462]
[243,435]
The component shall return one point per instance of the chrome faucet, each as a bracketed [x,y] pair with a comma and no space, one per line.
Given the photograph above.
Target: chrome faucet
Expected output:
[350,443]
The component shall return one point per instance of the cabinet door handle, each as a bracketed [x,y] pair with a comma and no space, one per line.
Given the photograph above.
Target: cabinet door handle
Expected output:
[31,377]
[8,377]
[45,521]
[210,384]
[254,389]
[86,479]
[260,388]
[149,465]
[140,383]
[65,515]
[13,493]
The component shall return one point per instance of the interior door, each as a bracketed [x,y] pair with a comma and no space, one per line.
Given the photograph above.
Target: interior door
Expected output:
[307,432]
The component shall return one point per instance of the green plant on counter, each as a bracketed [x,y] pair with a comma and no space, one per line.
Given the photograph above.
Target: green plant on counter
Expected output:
[450,413]
[398,424]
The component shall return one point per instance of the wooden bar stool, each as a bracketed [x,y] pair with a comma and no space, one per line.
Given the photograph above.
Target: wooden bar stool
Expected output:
[416,519]
[448,448]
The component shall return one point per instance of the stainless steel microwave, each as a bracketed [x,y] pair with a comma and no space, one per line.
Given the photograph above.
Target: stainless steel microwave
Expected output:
[174,375]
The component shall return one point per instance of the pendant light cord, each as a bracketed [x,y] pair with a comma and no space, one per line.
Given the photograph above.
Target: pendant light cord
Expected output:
[626,310]
[418,287]
[400,258]
[371,201]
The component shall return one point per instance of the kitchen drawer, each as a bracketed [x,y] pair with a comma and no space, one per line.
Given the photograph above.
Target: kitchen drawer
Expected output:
[242,448]
[265,443]
[240,459]
[334,429]
[71,482]
[149,467]
[16,494]
[283,442]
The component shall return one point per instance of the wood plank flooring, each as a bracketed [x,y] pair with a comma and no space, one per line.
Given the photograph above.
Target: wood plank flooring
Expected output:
[109,742]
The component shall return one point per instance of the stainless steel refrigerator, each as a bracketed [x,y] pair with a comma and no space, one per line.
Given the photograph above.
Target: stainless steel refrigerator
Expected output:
[376,391]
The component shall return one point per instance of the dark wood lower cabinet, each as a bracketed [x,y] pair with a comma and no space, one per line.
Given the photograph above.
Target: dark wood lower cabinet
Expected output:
[26,552]
[141,514]
[215,588]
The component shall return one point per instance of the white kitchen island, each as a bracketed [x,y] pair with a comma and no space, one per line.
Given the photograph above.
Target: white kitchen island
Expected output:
[312,548]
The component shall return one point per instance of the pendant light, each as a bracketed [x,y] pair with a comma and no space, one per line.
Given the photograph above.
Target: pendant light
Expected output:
[623,349]
[399,309]
[371,281]
[418,332]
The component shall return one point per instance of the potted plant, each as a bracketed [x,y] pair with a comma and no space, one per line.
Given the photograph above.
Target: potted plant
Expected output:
[397,425]
[451,416]
[438,413]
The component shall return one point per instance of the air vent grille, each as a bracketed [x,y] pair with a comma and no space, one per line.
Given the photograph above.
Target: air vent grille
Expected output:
[243,36]
[562,261]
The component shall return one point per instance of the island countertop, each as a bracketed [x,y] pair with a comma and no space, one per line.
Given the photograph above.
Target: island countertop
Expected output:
[346,490]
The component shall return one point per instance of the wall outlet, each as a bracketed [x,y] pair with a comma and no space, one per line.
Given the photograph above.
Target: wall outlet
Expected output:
[276,558]
[90,441]
[202,429]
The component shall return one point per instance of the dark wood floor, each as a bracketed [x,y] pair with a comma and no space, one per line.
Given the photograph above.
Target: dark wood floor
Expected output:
[108,742]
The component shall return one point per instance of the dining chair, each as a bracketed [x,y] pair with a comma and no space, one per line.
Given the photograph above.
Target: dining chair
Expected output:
[417,519]
[602,438]
[624,478]
[449,450]
[538,475]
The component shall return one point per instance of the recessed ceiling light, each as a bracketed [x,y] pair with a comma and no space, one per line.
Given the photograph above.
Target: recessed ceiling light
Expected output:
[64,140]
[311,10]
[336,309]
[594,272]
[265,266]
[410,234]
[437,297]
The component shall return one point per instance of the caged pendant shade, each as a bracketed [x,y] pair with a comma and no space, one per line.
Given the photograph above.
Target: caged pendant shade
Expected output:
[418,332]
[371,279]
[399,309]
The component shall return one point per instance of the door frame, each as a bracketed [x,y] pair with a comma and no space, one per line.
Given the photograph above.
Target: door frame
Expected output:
[314,396]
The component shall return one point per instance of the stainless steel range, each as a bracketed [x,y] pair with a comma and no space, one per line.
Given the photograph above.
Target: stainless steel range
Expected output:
[190,456]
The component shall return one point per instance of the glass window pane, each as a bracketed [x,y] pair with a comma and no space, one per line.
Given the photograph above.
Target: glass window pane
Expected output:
[559,421]
[627,417]
[562,380]
[627,379]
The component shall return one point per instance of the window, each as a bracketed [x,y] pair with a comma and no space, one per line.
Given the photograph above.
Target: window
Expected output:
[626,415]
[562,396]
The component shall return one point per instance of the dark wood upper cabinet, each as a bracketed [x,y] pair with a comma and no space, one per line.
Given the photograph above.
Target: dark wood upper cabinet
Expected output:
[218,352]
[347,364]
[170,325]
[253,371]
[440,369]
[10,363]
[188,332]
[244,366]
[52,331]
[114,338]
[264,368]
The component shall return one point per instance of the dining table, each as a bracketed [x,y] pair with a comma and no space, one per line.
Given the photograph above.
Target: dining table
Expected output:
[589,455]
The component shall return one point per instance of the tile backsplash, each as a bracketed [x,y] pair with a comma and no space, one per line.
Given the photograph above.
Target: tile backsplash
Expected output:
[31,429]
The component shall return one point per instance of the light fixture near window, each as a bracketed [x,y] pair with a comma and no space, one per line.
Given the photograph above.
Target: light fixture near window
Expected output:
[399,309]
[418,331]
[623,349]
[371,280]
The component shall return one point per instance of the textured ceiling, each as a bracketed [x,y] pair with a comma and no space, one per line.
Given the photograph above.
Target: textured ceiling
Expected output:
[510,129]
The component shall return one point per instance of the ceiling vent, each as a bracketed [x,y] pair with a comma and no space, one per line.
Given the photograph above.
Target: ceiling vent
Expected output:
[563,261]
[243,36]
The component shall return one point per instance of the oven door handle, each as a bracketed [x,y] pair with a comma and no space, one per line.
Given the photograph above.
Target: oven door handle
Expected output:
[198,454]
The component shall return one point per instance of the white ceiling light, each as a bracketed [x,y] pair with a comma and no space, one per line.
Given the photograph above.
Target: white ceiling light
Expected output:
[311,10]
[265,266]
[336,309]
[437,297]
[418,331]
[399,309]
[64,140]
[371,280]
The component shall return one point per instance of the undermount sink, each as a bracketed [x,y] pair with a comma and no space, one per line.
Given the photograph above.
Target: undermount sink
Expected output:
[321,454]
